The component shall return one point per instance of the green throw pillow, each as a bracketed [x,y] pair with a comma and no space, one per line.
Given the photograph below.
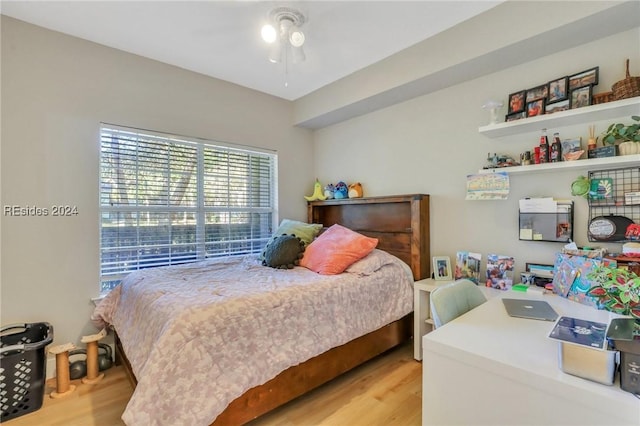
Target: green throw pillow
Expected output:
[305,231]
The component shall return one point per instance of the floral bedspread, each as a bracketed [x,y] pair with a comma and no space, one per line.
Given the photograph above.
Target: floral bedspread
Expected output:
[200,335]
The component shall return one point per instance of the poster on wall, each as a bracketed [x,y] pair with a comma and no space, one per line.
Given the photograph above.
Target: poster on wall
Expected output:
[488,186]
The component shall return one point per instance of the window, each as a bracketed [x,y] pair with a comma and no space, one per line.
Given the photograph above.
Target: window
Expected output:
[166,200]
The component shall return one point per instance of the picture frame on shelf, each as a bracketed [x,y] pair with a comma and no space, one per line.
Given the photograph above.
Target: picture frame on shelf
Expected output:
[442,268]
[581,97]
[536,93]
[550,108]
[588,77]
[516,116]
[535,108]
[558,89]
[516,102]
[602,98]
[571,145]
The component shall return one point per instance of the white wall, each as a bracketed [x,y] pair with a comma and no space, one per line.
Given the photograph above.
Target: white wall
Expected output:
[431,143]
[56,90]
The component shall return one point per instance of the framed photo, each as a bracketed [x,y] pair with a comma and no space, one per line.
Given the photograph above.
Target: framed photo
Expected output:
[584,78]
[516,102]
[536,93]
[442,268]
[556,107]
[535,108]
[571,145]
[581,97]
[468,266]
[558,90]
[516,116]
[499,271]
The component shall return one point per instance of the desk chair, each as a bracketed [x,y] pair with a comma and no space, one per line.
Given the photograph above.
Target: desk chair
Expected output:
[452,300]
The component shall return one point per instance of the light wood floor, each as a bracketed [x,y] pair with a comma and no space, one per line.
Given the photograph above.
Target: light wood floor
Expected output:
[385,391]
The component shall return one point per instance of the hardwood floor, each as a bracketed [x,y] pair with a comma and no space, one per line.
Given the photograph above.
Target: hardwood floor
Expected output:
[384,391]
[101,404]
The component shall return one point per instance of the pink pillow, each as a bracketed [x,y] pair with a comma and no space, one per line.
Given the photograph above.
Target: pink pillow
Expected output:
[336,249]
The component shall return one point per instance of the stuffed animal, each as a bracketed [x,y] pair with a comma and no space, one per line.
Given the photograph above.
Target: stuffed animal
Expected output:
[355,190]
[329,191]
[317,192]
[342,191]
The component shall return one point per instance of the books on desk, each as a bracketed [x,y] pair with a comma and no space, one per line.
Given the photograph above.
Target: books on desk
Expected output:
[580,332]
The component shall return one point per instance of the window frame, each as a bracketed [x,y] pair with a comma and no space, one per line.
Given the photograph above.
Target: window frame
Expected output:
[206,206]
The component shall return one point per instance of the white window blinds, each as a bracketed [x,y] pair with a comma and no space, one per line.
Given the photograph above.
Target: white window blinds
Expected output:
[166,200]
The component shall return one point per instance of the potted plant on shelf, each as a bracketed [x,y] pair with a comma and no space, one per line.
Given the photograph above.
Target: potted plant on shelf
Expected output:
[626,135]
[617,290]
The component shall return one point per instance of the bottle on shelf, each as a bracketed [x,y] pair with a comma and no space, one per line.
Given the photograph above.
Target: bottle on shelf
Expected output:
[536,155]
[544,147]
[555,152]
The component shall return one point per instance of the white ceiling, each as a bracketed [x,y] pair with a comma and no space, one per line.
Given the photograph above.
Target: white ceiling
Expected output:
[222,38]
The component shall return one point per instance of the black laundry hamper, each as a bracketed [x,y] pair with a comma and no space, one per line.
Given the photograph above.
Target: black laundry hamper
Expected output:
[23,367]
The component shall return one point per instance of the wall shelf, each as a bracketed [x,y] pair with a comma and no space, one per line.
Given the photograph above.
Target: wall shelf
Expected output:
[592,163]
[608,110]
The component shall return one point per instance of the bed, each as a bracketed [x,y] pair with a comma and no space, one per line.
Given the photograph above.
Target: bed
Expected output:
[292,366]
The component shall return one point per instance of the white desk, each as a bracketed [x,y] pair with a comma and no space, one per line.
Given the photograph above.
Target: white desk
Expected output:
[488,368]
[422,321]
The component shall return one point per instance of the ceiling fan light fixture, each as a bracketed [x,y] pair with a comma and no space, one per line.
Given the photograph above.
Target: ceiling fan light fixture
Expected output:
[296,37]
[269,33]
[285,34]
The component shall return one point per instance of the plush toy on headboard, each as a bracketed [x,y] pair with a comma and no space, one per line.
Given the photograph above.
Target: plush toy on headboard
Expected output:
[317,192]
[342,191]
[329,191]
[355,190]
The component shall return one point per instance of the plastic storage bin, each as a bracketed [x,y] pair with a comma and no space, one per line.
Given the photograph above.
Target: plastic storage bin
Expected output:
[22,367]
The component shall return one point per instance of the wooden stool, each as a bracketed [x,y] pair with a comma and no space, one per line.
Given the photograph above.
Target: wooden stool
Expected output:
[63,385]
[93,371]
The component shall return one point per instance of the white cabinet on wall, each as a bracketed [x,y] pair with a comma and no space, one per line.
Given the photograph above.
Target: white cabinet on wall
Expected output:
[606,111]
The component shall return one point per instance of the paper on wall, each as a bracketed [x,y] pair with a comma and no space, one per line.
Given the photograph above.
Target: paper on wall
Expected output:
[488,186]
[538,205]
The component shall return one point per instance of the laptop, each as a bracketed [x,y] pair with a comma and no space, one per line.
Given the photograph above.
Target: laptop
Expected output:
[531,309]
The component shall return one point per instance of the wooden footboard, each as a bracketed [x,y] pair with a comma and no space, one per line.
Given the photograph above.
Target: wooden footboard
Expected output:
[304,377]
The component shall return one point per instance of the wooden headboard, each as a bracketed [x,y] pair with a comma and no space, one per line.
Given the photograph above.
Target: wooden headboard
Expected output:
[400,223]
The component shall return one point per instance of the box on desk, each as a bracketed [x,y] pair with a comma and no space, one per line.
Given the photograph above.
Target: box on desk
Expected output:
[583,351]
[602,151]
[591,364]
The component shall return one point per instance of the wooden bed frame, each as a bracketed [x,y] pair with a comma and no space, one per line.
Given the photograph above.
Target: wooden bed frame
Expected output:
[401,224]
